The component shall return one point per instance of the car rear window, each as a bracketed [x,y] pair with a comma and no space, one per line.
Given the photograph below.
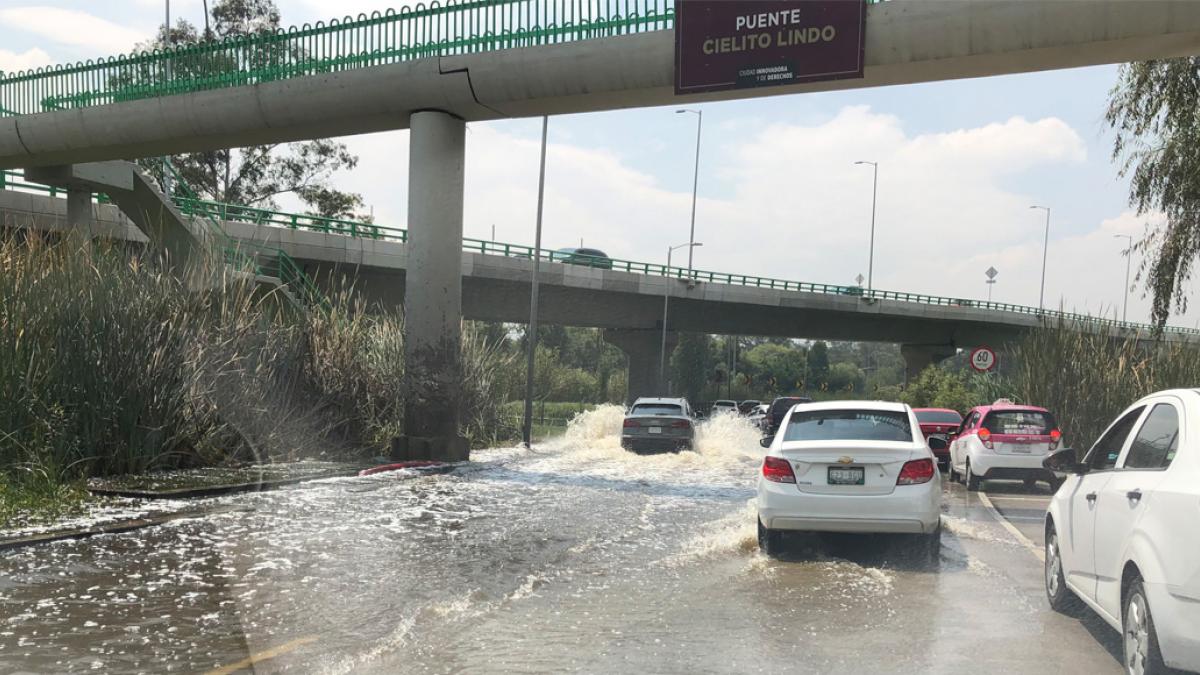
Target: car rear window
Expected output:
[849,425]
[1013,422]
[938,417]
[657,409]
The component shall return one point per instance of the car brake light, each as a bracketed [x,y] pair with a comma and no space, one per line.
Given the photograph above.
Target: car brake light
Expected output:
[985,437]
[631,423]
[680,424]
[916,472]
[778,470]
[1055,437]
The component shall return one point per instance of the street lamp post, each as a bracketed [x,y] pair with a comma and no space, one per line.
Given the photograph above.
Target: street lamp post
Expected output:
[1128,257]
[695,182]
[1045,249]
[662,353]
[531,337]
[874,196]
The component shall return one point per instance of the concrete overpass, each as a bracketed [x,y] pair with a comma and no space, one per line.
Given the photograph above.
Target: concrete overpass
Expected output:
[432,69]
[627,305]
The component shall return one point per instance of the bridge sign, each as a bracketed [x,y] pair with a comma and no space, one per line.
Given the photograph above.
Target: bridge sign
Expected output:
[720,44]
[983,359]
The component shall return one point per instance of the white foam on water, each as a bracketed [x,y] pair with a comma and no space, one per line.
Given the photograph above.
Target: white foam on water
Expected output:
[734,533]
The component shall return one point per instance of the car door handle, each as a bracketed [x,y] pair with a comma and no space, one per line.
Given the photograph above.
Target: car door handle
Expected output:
[1091,497]
[1134,495]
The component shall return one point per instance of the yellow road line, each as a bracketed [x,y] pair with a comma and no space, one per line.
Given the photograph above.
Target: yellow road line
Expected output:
[1034,548]
[263,656]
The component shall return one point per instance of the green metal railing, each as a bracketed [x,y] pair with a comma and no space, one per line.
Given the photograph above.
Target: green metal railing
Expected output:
[434,29]
[189,204]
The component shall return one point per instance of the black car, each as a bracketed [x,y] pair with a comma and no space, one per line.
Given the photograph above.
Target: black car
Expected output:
[779,408]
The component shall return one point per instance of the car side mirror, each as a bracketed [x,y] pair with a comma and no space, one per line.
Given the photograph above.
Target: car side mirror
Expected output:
[936,443]
[1064,461]
[765,441]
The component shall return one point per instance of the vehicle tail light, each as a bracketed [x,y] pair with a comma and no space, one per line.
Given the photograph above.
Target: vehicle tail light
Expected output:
[778,470]
[680,424]
[985,437]
[1055,437]
[916,472]
[631,424]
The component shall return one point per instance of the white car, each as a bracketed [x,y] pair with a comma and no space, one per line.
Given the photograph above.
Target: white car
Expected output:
[1004,441]
[1121,531]
[723,406]
[849,466]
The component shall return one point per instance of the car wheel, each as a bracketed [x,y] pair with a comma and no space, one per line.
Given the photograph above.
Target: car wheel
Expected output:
[1142,655]
[972,481]
[1062,599]
[768,540]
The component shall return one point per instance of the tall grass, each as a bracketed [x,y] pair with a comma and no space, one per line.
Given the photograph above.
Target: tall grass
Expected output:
[109,364]
[1087,377]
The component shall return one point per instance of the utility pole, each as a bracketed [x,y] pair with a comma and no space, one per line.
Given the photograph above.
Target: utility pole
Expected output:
[662,354]
[531,338]
[695,183]
[1045,249]
[874,198]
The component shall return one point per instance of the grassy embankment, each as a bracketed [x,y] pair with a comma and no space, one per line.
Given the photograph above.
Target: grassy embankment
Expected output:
[111,365]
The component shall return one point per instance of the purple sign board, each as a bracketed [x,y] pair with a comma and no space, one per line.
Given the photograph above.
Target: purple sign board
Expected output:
[733,44]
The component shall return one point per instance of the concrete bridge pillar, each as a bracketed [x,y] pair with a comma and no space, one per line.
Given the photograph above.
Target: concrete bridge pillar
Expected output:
[920,357]
[433,290]
[79,209]
[642,347]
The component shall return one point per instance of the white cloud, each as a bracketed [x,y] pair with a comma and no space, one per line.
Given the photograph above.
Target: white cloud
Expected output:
[798,207]
[14,62]
[74,28]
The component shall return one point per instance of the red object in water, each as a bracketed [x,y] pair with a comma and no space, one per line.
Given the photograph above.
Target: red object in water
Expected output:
[416,464]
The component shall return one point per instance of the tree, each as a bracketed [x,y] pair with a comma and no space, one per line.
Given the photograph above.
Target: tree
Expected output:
[818,365]
[783,365]
[1153,111]
[939,388]
[690,365]
[257,175]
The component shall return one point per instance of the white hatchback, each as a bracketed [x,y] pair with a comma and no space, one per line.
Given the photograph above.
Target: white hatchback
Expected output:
[849,466]
[1121,531]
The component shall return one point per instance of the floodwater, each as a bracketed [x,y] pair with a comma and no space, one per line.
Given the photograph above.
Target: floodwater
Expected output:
[573,556]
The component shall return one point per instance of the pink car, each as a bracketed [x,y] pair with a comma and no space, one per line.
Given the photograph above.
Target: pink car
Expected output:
[1004,441]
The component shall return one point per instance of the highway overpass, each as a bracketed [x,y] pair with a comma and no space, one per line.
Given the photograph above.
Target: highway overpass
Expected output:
[628,304]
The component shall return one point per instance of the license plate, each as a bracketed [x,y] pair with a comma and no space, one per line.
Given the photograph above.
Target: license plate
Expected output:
[656,430]
[846,475]
[1022,449]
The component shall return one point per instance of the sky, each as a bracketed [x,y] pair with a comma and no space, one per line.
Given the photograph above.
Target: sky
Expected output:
[960,163]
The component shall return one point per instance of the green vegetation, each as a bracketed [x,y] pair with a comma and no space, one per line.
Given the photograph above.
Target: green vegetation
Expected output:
[1152,109]
[110,365]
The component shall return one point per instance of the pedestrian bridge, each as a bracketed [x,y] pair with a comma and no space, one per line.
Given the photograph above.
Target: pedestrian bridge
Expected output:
[491,59]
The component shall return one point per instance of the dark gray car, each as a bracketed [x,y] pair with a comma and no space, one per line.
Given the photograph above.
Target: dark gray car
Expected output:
[659,425]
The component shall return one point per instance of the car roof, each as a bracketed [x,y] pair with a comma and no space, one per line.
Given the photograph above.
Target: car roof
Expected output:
[949,410]
[671,401]
[985,409]
[891,406]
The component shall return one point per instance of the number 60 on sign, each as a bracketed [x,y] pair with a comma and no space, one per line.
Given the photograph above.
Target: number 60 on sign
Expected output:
[983,359]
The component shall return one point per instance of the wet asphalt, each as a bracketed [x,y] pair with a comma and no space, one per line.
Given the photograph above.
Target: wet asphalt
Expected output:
[574,557]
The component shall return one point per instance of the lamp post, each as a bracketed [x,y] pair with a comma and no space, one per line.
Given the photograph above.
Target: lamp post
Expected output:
[662,353]
[874,196]
[531,338]
[1045,249]
[1128,257]
[695,182]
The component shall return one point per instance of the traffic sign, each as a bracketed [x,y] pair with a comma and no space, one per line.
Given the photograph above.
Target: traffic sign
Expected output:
[983,359]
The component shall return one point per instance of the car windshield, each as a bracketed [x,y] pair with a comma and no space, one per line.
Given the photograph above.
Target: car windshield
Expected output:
[938,417]
[1013,422]
[657,409]
[849,425]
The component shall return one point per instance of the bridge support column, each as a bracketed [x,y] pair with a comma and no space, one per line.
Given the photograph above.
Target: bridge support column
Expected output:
[920,357]
[79,209]
[433,290]
[642,347]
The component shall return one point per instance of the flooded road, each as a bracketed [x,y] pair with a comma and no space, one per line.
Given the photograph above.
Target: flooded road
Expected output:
[574,556]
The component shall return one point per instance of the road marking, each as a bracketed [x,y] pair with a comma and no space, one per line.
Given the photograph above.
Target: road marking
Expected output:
[263,656]
[1012,529]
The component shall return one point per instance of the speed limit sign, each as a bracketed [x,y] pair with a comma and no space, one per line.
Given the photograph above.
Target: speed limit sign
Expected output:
[983,359]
